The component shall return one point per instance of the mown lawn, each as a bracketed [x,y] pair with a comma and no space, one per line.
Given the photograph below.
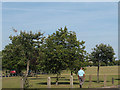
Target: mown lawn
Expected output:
[64,81]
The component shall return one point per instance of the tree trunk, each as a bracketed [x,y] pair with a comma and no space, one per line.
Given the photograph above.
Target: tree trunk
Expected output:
[28,64]
[71,73]
[98,73]
[57,80]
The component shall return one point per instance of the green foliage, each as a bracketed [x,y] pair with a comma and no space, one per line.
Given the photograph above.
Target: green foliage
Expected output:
[12,58]
[22,49]
[117,62]
[55,51]
[102,54]
[63,51]
[0,53]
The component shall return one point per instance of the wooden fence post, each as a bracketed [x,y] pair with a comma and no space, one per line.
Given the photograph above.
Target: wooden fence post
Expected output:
[22,83]
[90,81]
[49,82]
[8,75]
[5,75]
[113,81]
[71,81]
[36,76]
[104,80]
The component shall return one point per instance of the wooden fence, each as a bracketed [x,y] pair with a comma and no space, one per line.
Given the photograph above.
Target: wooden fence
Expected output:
[90,81]
[71,81]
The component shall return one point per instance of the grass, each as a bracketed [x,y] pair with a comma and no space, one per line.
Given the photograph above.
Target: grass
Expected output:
[64,81]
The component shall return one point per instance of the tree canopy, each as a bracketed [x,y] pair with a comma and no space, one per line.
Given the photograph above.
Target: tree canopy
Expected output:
[22,51]
[102,53]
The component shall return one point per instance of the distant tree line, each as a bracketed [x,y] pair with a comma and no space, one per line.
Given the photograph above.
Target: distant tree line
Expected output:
[0,54]
[59,51]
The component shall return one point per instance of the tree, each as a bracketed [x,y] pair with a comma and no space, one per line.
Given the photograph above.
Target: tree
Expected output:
[55,53]
[63,51]
[117,62]
[22,50]
[0,54]
[102,54]
[76,54]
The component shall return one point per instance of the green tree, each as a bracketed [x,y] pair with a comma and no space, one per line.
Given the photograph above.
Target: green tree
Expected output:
[63,51]
[0,53]
[102,54]
[22,50]
[117,62]
[76,54]
[55,53]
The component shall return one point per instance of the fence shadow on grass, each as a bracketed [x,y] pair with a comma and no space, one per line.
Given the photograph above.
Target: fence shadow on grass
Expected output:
[117,79]
[96,81]
[65,79]
[36,78]
[56,77]
[59,83]
[69,79]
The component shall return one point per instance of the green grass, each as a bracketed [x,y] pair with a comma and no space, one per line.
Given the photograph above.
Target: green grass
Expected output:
[104,70]
[11,82]
[64,81]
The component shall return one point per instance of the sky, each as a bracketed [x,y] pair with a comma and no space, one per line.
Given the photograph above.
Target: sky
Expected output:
[60,0]
[93,22]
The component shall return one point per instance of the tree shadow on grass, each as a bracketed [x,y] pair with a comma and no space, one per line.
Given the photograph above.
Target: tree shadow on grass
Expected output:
[117,79]
[56,77]
[37,78]
[59,83]
[96,81]
[65,79]
[69,79]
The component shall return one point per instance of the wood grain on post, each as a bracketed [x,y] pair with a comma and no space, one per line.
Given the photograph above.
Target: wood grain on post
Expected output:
[90,81]
[49,82]
[71,81]
[104,80]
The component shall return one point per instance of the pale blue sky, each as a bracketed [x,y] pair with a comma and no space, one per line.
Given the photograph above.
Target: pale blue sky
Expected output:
[94,23]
